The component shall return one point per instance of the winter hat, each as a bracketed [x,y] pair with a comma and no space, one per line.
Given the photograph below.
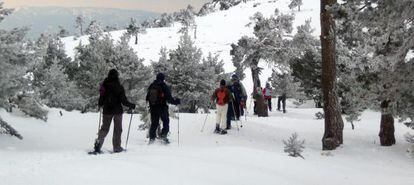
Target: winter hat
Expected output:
[113,74]
[234,77]
[222,82]
[160,77]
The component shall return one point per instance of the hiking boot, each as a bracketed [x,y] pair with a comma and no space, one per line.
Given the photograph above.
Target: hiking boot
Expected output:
[223,132]
[118,150]
[97,146]
[151,141]
[284,111]
[217,130]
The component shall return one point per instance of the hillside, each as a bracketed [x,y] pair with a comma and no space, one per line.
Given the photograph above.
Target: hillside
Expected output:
[48,19]
[215,32]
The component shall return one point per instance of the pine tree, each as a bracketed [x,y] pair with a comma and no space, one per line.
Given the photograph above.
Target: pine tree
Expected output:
[95,30]
[134,29]
[381,69]
[80,21]
[333,136]
[190,77]
[295,3]
[293,146]
[187,19]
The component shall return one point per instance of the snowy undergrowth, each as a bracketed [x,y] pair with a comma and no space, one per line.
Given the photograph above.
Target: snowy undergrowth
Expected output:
[55,153]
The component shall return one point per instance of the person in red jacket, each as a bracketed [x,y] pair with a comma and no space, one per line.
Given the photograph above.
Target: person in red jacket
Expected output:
[222,98]
[267,93]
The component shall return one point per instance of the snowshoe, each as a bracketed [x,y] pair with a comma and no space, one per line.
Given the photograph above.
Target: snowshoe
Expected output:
[165,140]
[95,153]
[223,132]
[151,141]
[119,150]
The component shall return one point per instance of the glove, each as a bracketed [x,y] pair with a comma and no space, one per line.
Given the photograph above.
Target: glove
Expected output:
[177,101]
[132,106]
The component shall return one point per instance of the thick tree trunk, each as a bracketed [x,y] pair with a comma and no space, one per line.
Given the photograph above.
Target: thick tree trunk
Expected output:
[334,125]
[261,106]
[387,129]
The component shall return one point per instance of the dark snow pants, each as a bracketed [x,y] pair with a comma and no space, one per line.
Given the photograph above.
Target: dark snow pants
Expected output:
[106,124]
[281,99]
[158,112]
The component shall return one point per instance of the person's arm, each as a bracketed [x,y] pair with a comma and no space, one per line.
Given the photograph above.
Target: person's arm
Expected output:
[244,94]
[124,100]
[168,96]
[101,95]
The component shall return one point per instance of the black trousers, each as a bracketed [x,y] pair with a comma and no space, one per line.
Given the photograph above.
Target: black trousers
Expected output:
[269,104]
[158,112]
[283,100]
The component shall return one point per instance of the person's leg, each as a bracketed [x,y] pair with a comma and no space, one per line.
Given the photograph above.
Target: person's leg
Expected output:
[223,113]
[165,121]
[279,99]
[116,139]
[228,116]
[106,123]
[284,104]
[219,117]
[155,121]
[269,103]
[236,108]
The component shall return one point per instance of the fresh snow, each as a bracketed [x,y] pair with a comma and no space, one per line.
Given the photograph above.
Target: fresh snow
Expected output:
[55,153]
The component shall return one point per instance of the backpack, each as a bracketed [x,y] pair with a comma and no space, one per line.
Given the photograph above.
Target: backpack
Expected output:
[221,96]
[237,91]
[156,95]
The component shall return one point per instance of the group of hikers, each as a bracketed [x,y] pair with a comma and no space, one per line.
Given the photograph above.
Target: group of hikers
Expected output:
[230,99]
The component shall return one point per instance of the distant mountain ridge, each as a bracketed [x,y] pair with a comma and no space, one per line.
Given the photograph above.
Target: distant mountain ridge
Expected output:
[48,19]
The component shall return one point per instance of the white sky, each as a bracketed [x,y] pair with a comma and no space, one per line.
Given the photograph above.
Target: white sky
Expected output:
[150,5]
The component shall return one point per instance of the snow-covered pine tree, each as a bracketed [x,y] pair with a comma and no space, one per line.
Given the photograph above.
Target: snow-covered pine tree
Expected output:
[269,44]
[191,78]
[293,146]
[187,19]
[295,3]
[283,83]
[79,23]
[95,30]
[134,29]
[382,46]
[134,76]
[15,62]
[94,61]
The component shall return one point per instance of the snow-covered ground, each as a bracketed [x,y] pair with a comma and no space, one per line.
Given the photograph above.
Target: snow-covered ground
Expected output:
[55,153]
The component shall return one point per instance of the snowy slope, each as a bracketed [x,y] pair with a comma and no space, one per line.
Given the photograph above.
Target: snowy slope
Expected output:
[55,153]
[216,32]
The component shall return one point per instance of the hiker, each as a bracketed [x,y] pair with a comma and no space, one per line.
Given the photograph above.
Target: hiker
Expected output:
[267,93]
[222,98]
[238,96]
[112,97]
[282,99]
[158,96]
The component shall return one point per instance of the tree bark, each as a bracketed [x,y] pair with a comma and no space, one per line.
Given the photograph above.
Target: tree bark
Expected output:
[261,107]
[136,39]
[387,129]
[333,136]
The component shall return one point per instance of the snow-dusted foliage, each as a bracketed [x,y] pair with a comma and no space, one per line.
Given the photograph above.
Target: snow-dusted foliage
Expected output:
[134,29]
[7,129]
[187,20]
[284,84]
[15,65]
[295,3]
[217,5]
[378,48]
[293,146]
[191,78]
[410,139]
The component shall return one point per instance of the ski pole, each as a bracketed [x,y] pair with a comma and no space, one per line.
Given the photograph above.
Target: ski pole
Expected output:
[205,120]
[99,123]
[129,128]
[178,125]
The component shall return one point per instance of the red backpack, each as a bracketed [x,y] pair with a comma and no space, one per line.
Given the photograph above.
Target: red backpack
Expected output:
[221,96]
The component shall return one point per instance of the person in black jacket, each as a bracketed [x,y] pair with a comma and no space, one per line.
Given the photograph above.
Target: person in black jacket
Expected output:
[112,97]
[158,95]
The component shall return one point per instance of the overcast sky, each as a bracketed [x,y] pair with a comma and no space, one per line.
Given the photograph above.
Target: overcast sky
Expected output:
[151,5]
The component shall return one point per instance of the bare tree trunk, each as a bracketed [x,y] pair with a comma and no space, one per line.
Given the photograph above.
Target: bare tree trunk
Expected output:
[9,130]
[299,8]
[334,125]
[261,106]
[195,32]
[136,39]
[387,129]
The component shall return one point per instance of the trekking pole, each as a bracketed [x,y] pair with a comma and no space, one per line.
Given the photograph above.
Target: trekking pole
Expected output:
[178,125]
[205,120]
[99,123]
[129,128]
[234,113]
